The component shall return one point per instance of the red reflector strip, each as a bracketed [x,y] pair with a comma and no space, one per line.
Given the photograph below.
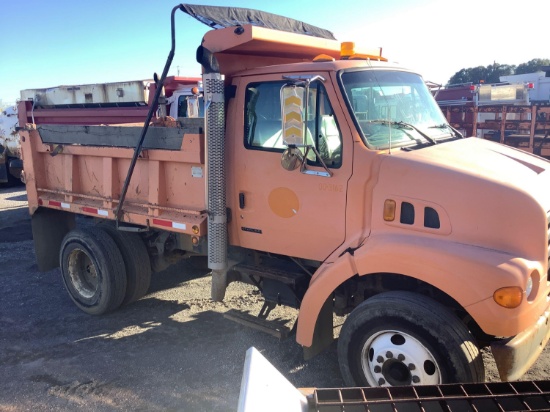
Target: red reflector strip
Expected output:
[168,223]
[55,203]
[164,223]
[95,211]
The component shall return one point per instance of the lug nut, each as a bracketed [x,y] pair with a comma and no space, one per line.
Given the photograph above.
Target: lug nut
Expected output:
[381,381]
[415,379]
[389,355]
[377,369]
[379,359]
[401,357]
[411,366]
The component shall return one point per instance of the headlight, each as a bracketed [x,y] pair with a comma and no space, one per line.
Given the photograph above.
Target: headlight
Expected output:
[529,286]
[532,286]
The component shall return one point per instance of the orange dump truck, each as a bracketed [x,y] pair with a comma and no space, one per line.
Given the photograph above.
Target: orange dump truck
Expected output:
[330,180]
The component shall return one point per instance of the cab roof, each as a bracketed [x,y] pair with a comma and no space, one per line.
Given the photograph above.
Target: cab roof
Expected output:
[249,46]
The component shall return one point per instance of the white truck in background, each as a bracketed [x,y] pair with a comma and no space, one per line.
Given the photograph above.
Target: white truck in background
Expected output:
[10,149]
[92,104]
[539,89]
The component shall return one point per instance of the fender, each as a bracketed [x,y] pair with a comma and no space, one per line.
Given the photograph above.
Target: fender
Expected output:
[446,265]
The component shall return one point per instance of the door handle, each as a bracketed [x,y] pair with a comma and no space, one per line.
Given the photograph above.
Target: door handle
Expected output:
[241,200]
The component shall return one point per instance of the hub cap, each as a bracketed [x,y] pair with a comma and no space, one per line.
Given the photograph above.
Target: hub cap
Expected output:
[392,358]
[82,273]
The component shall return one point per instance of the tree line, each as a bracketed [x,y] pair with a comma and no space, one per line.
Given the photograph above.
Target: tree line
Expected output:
[492,73]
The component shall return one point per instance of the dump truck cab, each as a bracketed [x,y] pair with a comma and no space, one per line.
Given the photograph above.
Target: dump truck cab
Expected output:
[383,181]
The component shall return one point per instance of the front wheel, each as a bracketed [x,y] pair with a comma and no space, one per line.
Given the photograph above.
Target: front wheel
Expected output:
[402,338]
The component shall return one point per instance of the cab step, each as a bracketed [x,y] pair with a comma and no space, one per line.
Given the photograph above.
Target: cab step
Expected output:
[271,327]
[284,276]
[278,285]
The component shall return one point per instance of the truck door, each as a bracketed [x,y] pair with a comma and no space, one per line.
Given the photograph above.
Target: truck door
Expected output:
[298,213]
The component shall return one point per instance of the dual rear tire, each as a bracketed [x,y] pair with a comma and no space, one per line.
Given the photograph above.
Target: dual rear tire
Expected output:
[103,268]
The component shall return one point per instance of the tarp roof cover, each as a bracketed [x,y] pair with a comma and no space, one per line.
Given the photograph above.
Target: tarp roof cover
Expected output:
[221,17]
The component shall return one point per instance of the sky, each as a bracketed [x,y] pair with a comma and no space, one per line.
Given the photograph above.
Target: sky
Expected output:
[48,43]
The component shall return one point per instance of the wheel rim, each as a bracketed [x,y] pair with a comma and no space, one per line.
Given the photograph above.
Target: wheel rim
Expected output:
[393,358]
[83,274]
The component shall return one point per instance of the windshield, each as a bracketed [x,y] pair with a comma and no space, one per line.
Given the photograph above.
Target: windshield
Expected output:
[394,108]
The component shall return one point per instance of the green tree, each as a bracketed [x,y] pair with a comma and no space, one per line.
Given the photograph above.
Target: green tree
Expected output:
[492,73]
[489,74]
[532,66]
[470,75]
[496,70]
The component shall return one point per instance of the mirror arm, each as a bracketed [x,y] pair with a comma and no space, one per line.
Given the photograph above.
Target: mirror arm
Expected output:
[305,170]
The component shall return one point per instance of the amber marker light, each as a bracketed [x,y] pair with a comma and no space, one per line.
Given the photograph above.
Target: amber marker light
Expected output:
[347,49]
[195,229]
[323,58]
[509,297]
[195,240]
[389,210]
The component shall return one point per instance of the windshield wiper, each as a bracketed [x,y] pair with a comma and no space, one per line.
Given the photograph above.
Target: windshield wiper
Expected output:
[404,125]
[448,126]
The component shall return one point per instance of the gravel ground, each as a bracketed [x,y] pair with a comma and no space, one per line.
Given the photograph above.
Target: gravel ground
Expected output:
[173,350]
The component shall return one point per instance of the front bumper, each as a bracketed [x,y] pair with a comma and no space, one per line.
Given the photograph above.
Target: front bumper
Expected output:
[516,355]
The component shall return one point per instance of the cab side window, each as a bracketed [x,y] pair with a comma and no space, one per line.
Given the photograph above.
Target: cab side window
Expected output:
[263,123]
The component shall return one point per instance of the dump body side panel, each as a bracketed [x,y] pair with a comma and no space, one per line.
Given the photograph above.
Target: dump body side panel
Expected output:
[64,171]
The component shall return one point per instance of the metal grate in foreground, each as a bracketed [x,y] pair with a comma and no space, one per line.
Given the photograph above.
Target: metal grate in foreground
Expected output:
[482,397]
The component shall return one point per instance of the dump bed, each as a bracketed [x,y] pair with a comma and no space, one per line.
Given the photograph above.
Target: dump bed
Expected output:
[82,169]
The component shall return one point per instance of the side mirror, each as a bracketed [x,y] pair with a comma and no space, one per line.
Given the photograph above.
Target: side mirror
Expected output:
[292,158]
[192,106]
[293,111]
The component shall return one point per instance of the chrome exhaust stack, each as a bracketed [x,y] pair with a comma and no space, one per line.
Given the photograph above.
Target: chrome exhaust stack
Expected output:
[214,103]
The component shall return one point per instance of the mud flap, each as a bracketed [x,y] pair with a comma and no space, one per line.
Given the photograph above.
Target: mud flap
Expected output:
[323,335]
[49,227]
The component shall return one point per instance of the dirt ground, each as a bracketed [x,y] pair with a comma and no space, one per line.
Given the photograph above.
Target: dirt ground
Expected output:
[173,350]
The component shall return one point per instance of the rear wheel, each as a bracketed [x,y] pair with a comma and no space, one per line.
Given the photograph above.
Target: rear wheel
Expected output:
[93,270]
[136,260]
[402,338]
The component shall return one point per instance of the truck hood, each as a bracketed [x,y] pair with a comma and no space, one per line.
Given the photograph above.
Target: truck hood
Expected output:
[503,164]
[486,194]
